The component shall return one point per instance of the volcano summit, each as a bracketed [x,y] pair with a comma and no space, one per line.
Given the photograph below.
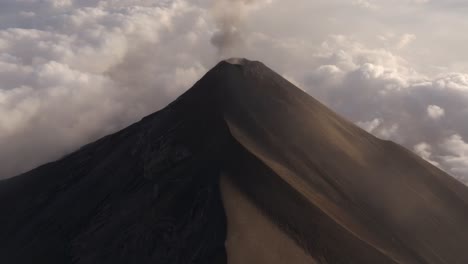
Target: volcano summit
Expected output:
[242,168]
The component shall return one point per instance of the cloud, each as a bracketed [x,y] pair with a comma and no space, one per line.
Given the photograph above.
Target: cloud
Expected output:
[421,1]
[405,40]
[383,94]
[59,3]
[90,71]
[457,156]
[230,17]
[73,71]
[435,112]
[425,151]
[370,126]
[366,4]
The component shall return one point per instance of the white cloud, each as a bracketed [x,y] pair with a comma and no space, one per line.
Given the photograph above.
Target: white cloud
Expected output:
[370,126]
[60,3]
[435,112]
[386,96]
[425,151]
[389,132]
[230,17]
[457,157]
[90,71]
[88,68]
[405,40]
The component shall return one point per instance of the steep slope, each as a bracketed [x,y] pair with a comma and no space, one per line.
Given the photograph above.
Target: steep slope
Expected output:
[244,167]
[354,192]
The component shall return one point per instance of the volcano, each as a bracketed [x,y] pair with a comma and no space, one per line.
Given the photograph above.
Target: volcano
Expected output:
[242,168]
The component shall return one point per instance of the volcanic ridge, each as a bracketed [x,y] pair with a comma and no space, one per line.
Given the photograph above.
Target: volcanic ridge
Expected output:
[242,168]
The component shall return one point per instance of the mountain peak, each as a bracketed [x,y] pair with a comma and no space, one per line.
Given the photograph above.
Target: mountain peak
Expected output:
[237,61]
[244,158]
[252,65]
[232,81]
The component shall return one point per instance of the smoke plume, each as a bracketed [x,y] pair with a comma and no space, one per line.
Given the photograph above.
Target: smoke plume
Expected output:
[230,19]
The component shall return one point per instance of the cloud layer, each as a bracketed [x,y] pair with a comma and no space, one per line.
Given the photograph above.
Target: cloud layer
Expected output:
[72,71]
[80,71]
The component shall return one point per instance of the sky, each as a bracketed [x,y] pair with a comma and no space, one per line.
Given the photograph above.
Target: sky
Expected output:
[72,71]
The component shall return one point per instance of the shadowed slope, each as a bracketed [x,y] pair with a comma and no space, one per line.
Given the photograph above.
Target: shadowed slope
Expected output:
[327,190]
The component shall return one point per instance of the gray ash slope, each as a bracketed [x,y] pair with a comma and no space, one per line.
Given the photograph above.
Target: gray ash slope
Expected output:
[151,192]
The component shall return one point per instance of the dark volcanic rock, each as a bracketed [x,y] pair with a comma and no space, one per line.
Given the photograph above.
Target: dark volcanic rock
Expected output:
[147,194]
[151,192]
